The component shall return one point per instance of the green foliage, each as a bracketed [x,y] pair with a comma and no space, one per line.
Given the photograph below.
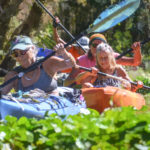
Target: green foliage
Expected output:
[45,37]
[123,44]
[19,17]
[119,128]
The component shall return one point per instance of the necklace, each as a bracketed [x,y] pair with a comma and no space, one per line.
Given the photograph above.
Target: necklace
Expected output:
[33,76]
[27,78]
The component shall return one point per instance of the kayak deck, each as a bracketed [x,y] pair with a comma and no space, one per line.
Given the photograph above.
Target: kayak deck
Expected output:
[106,97]
[40,105]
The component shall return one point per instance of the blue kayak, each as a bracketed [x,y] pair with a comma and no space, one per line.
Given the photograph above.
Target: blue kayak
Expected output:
[60,105]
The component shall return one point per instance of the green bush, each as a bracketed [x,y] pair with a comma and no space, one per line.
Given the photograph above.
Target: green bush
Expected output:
[45,37]
[118,128]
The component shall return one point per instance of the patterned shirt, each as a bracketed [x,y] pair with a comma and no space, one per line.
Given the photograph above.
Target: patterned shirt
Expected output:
[107,82]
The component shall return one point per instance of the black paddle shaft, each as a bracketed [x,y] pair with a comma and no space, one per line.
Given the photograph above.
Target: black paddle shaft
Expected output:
[130,50]
[104,74]
[59,24]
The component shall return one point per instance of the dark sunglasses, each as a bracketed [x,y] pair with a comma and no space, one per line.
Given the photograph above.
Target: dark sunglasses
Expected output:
[17,54]
[94,45]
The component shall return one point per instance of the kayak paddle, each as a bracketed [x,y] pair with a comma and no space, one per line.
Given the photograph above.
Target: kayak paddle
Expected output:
[110,76]
[111,17]
[106,20]
[114,15]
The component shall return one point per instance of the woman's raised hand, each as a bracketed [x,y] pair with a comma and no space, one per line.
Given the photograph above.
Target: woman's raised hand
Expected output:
[60,50]
[137,53]
[136,46]
[68,58]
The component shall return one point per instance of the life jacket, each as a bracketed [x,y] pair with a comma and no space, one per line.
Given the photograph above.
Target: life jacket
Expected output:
[101,98]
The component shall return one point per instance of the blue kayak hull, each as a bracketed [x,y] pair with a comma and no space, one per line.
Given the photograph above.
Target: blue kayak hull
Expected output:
[61,106]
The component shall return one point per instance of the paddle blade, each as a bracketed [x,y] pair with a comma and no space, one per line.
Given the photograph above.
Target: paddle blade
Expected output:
[114,15]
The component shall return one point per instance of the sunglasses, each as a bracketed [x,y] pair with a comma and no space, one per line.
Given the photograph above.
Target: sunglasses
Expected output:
[18,54]
[94,45]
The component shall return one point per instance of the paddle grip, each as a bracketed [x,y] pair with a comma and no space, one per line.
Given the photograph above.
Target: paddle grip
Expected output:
[129,50]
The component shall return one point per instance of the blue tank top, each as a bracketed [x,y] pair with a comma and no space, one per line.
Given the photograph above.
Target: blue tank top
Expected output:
[107,82]
[45,83]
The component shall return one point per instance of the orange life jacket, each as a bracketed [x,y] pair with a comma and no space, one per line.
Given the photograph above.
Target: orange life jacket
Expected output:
[101,98]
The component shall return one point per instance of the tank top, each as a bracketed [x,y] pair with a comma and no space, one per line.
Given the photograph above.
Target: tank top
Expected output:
[107,82]
[45,83]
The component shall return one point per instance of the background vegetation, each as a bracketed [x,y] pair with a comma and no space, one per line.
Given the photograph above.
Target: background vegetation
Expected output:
[25,17]
[119,128]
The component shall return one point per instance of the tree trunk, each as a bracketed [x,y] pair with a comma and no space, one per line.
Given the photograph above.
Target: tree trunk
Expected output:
[8,9]
[31,22]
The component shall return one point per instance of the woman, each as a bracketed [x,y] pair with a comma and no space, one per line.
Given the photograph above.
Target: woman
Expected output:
[95,40]
[105,62]
[89,60]
[44,76]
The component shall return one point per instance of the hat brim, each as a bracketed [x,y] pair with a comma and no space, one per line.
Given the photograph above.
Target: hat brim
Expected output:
[20,46]
[86,47]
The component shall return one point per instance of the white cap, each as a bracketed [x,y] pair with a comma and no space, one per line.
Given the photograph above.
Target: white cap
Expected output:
[84,41]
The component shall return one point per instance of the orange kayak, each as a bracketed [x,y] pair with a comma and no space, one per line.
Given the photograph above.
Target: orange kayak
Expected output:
[104,97]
